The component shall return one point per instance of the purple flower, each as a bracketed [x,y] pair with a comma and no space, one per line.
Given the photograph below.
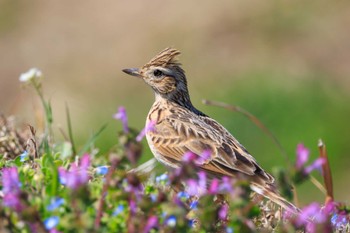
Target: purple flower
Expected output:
[302,156]
[150,126]
[54,230]
[214,186]
[223,212]
[312,215]
[76,176]
[226,185]
[316,165]
[203,158]
[11,188]
[55,203]
[152,222]
[197,187]
[340,221]
[51,222]
[102,170]
[122,116]
[189,157]
[132,206]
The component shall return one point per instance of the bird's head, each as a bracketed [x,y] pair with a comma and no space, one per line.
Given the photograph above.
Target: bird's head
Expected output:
[163,73]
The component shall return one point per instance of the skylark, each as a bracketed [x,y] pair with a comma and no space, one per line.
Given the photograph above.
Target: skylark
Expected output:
[179,127]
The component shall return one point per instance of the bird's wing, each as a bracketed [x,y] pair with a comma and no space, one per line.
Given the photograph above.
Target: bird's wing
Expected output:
[177,134]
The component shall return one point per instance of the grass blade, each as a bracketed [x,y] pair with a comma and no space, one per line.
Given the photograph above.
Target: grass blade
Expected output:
[70,131]
[91,141]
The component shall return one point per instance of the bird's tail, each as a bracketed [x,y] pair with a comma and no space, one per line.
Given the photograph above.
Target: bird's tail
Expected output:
[272,194]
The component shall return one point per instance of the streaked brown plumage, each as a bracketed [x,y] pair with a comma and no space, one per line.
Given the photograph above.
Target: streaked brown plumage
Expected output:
[180,127]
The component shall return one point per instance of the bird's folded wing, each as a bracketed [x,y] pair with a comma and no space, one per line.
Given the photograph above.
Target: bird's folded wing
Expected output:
[174,137]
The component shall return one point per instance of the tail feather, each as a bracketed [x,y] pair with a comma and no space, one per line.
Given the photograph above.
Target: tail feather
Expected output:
[272,194]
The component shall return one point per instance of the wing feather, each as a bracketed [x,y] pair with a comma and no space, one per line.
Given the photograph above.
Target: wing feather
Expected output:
[177,134]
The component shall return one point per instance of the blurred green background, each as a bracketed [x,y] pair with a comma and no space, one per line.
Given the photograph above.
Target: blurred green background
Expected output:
[286,62]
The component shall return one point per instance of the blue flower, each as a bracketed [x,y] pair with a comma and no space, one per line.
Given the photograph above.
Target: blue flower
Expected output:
[229,230]
[193,205]
[102,170]
[339,220]
[51,222]
[171,221]
[162,178]
[183,196]
[55,203]
[153,197]
[24,156]
[118,210]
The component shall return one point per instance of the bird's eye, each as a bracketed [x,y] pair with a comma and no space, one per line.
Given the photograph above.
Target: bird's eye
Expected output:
[157,73]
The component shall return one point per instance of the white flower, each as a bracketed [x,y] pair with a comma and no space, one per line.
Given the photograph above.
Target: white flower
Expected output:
[33,73]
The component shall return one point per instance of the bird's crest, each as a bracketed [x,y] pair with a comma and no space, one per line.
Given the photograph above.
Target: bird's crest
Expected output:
[167,57]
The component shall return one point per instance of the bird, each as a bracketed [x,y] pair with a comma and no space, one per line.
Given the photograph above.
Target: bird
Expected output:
[179,128]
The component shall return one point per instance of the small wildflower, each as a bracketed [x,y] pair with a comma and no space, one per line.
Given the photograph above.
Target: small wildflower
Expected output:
[171,221]
[32,74]
[183,196]
[149,127]
[226,185]
[55,203]
[214,186]
[102,170]
[223,212]
[152,222]
[189,157]
[54,230]
[51,222]
[11,188]
[203,158]
[122,116]
[24,156]
[164,178]
[77,175]
[194,205]
[120,208]
[302,156]
[340,221]
[132,206]
[229,230]
[312,215]
[153,197]
[192,223]
[316,165]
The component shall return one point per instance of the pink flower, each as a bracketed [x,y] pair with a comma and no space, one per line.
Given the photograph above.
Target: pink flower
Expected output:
[122,116]
[11,188]
[77,175]
[149,127]
[223,212]
[302,156]
[152,222]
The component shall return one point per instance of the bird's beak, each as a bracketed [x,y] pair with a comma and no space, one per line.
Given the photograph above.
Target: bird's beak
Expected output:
[133,71]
